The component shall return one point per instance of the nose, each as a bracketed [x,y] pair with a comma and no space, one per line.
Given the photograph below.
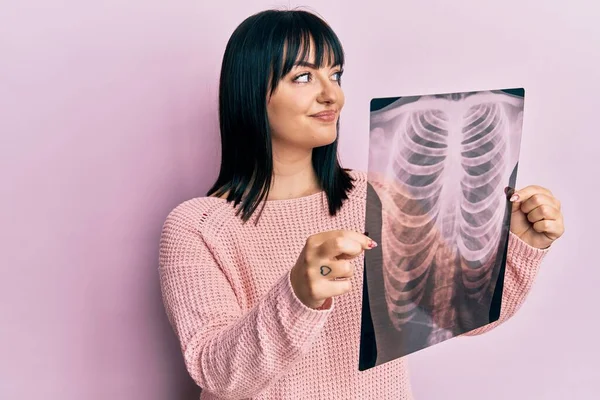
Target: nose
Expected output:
[328,92]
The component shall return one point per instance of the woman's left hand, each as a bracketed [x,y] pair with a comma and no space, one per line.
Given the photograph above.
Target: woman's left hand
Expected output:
[536,216]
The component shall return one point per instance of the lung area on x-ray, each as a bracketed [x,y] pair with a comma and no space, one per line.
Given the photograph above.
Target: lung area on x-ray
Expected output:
[439,166]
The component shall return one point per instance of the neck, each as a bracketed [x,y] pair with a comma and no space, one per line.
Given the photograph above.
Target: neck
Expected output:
[293,176]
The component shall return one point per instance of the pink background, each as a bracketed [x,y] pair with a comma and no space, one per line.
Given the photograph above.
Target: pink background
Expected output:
[108,120]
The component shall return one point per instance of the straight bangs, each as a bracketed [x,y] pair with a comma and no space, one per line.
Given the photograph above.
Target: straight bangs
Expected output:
[293,39]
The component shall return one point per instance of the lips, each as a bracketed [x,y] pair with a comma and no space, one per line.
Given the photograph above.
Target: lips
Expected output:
[324,113]
[326,116]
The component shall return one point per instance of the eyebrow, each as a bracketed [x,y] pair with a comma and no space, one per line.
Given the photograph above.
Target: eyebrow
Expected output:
[305,64]
[310,65]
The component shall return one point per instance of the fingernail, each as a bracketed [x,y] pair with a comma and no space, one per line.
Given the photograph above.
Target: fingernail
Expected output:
[514,197]
[372,244]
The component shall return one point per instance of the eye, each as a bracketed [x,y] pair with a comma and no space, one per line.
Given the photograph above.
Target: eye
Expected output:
[338,75]
[303,78]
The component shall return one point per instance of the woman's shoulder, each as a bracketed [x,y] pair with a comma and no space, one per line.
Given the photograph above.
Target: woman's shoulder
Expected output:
[359,181]
[198,215]
[191,232]
[371,178]
[357,174]
[380,183]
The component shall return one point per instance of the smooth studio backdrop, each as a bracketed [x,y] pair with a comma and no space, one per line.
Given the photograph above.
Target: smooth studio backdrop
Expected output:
[109,120]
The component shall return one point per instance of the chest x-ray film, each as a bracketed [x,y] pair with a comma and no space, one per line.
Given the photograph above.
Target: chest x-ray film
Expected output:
[440,168]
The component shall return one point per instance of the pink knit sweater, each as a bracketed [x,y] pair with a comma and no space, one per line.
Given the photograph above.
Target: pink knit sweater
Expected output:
[243,332]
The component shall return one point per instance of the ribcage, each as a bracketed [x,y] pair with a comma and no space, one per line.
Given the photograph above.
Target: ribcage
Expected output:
[442,221]
[482,207]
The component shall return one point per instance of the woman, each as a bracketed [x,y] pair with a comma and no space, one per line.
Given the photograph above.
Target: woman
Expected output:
[262,279]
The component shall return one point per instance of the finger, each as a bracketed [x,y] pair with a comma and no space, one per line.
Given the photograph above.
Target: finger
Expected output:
[537,200]
[336,270]
[339,246]
[363,239]
[334,288]
[525,193]
[544,211]
[551,228]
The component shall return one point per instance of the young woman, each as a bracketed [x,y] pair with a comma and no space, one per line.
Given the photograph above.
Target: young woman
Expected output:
[262,278]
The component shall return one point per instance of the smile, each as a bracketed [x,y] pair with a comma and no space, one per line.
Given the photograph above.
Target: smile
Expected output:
[325,116]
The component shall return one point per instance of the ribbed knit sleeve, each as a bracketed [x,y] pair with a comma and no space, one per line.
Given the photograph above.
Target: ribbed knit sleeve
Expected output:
[228,352]
[522,265]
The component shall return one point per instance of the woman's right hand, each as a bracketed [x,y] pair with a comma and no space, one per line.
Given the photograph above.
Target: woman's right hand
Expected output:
[323,269]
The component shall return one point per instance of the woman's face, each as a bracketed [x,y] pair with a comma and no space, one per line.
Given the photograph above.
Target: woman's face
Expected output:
[304,109]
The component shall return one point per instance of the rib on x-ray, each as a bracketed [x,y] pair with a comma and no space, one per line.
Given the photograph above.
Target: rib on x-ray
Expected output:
[439,169]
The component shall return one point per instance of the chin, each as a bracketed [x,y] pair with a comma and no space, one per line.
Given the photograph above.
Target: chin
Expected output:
[324,138]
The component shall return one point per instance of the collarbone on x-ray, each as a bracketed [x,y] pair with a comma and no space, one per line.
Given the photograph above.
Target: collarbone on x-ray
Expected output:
[449,158]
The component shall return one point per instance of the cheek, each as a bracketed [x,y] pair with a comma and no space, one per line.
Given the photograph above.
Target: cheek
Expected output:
[341,98]
[287,111]
[285,119]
